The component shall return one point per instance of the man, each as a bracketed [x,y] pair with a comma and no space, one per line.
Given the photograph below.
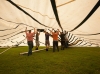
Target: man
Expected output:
[66,40]
[47,42]
[55,39]
[29,37]
[37,40]
[62,36]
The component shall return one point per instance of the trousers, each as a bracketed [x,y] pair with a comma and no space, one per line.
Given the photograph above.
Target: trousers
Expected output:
[30,46]
[55,45]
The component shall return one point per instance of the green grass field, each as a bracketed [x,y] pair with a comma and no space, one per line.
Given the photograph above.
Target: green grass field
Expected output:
[73,60]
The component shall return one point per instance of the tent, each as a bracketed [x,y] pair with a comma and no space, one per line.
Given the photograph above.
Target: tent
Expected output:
[81,18]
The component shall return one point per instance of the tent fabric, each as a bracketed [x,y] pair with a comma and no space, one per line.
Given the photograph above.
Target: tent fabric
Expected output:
[81,18]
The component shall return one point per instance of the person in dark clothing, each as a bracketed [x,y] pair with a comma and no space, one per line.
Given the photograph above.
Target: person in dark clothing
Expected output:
[47,42]
[62,36]
[66,40]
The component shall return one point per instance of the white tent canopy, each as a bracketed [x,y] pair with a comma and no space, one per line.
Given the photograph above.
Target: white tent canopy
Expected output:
[81,18]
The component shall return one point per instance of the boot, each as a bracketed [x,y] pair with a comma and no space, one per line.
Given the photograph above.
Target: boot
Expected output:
[46,49]
[36,49]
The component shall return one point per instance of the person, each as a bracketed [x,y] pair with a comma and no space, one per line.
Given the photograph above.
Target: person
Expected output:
[37,40]
[62,36]
[47,42]
[55,39]
[66,40]
[29,37]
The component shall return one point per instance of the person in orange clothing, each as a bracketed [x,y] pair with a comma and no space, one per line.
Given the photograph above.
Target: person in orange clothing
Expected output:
[29,37]
[55,39]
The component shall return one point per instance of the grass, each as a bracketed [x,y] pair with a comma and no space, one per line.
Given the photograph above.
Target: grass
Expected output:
[73,60]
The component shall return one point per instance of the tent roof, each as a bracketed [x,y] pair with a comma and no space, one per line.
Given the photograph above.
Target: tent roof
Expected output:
[15,15]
